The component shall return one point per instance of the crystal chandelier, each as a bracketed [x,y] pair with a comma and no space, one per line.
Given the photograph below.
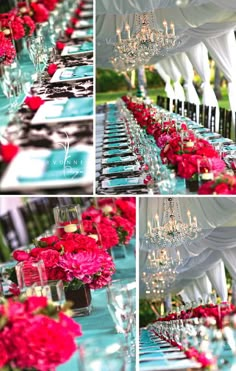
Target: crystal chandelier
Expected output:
[160,272]
[146,42]
[173,232]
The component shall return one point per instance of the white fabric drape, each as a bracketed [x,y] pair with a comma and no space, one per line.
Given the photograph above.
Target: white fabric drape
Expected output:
[186,69]
[168,87]
[218,280]
[198,56]
[172,70]
[223,51]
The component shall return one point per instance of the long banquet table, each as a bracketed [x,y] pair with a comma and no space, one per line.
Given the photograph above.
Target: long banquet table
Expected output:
[156,354]
[99,322]
[37,141]
[111,117]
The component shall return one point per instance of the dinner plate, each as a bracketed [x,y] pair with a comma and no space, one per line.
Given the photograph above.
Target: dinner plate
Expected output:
[41,168]
[73,109]
[72,50]
[120,169]
[82,34]
[118,160]
[84,23]
[72,74]
[122,182]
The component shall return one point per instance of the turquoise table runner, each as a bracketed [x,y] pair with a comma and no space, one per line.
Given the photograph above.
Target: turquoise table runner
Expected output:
[99,323]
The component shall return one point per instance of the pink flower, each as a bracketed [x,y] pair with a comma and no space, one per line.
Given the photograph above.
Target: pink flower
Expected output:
[20,255]
[82,265]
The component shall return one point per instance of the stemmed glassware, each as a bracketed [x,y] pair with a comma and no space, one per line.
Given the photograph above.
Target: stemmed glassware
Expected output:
[121,305]
[11,84]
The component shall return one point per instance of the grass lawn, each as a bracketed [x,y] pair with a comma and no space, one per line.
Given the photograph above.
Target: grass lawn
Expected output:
[101,98]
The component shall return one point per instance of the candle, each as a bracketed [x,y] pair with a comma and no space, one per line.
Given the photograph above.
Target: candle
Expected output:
[157,221]
[70,228]
[189,144]
[127,27]
[172,26]
[195,220]
[118,32]
[178,255]
[165,26]
[189,217]
[207,176]
[149,227]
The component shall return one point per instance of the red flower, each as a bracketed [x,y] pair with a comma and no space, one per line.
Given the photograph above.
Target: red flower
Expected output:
[8,151]
[49,4]
[14,289]
[125,226]
[20,255]
[34,102]
[4,358]
[127,209]
[107,235]
[29,25]
[51,240]
[222,189]
[40,13]
[52,69]
[50,257]
[33,303]
[7,50]
[56,273]
[60,45]
[69,31]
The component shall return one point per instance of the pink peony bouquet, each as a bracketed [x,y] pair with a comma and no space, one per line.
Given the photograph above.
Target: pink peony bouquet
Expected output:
[33,335]
[74,258]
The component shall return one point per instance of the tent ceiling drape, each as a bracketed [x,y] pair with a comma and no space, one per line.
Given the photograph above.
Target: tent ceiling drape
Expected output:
[198,21]
[214,247]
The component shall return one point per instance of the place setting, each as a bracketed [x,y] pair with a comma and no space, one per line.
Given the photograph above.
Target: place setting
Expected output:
[51,118]
[68,266]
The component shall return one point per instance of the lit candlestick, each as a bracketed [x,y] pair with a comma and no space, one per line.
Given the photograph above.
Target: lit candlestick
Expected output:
[207,175]
[149,227]
[118,32]
[178,255]
[157,221]
[165,26]
[195,220]
[189,217]
[172,26]
[127,27]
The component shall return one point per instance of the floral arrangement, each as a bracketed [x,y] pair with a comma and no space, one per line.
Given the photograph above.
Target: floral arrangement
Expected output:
[74,258]
[110,222]
[184,153]
[223,184]
[33,334]
[203,311]
[7,50]
[18,23]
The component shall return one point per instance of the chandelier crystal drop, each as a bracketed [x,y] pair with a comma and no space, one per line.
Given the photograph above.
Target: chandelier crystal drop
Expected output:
[174,231]
[146,42]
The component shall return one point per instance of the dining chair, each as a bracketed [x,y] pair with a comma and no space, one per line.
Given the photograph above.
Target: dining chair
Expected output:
[31,225]
[222,120]
[9,231]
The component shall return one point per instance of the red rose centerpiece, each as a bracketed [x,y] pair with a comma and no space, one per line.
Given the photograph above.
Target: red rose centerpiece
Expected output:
[39,332]
[75,259]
